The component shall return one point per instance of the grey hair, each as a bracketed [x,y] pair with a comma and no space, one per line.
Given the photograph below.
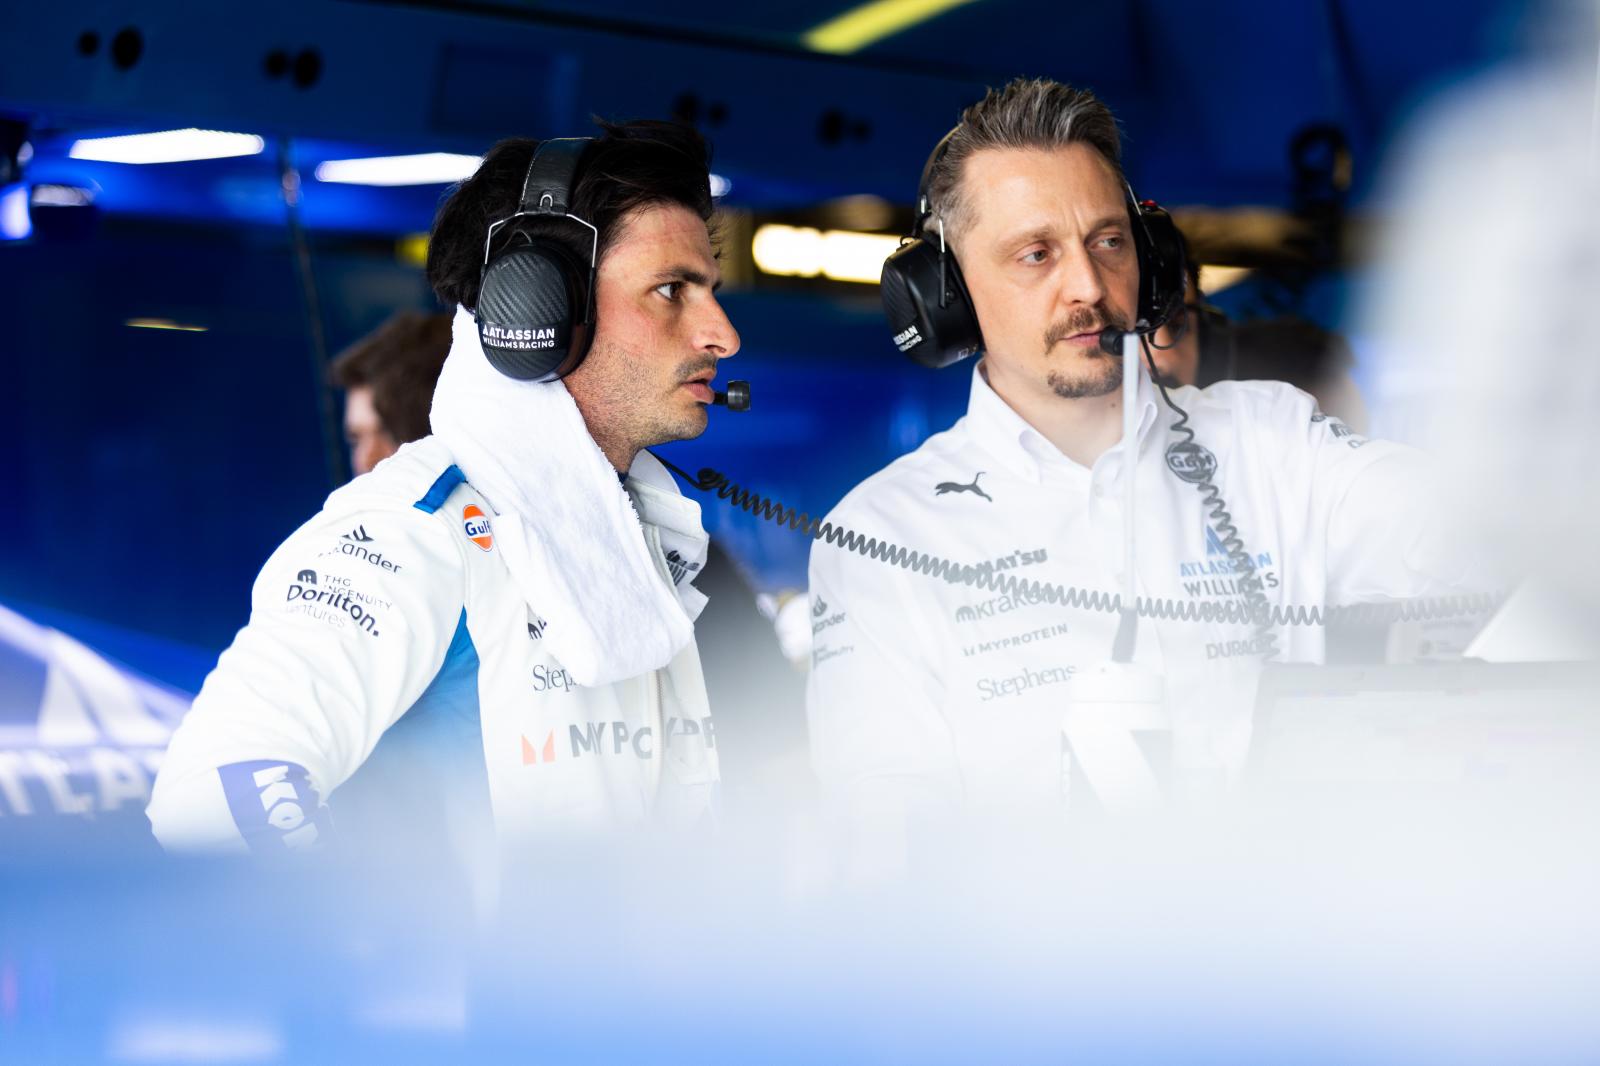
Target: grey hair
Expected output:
[1027,113]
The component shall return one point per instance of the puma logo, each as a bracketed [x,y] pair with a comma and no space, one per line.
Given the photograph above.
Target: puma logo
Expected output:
[955,486]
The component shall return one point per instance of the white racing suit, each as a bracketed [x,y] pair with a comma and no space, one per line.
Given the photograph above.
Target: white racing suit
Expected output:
[387,631]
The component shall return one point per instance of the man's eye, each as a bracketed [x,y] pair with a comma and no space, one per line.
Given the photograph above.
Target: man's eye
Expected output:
[1036,256]
[1111,244]
[669,290]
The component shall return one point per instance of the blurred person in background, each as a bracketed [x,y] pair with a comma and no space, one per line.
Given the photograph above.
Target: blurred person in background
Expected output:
[929,697]
[388,378]
[1203,347]
[510,601]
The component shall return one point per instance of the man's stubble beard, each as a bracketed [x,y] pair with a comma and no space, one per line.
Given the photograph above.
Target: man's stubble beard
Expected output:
[619,406]
[1103,374]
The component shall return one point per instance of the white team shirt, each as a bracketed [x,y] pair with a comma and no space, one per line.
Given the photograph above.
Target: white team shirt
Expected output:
[932,694]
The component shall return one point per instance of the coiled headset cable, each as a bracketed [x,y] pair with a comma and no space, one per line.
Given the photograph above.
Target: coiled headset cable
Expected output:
[1255,610]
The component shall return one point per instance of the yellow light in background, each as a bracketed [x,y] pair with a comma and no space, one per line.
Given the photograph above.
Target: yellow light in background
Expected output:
[842,255]
[412,249]
[1213,279]
[872,22]
[164,323]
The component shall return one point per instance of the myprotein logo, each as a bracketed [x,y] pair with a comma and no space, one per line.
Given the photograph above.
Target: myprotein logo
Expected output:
[476,525]
[1192,462]
[614,740]
[1016,640]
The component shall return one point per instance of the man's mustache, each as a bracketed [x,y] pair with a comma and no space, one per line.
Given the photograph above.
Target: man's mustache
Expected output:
[1083,320]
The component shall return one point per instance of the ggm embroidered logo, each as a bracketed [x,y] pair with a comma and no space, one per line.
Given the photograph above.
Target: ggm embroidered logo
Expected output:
[956,486]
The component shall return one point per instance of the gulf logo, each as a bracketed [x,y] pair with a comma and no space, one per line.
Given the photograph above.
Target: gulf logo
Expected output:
[477,526]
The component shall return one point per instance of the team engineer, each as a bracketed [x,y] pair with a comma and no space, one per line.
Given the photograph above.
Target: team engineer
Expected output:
[513,588]
[928,696]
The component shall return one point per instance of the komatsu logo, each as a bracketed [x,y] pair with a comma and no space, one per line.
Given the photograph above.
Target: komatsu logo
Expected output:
[907,339]
[534,337]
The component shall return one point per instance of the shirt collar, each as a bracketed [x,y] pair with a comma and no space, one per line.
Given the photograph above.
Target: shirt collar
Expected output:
[1021,448]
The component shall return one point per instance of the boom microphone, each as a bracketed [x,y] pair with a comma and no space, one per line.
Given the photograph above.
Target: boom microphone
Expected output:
[737,398]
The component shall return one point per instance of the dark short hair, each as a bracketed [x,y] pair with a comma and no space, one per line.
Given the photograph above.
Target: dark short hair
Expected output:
[400,361]
[1027,113]
[629,166]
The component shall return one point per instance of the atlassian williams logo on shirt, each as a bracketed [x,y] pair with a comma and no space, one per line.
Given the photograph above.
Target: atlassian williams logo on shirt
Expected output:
[273,804]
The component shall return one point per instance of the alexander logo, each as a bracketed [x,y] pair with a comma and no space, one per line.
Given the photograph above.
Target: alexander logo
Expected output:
[820,619]
[984,647]
[476,525]
[521,339]
[907,339]
[359,535]
[355,547]
[615,739]
[1192,462]
[956,486]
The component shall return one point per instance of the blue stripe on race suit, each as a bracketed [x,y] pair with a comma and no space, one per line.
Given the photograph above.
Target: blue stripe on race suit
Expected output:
[441,490]
[273,804]
[427,771]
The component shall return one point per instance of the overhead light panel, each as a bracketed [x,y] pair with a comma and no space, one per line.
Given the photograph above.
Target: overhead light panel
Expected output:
[720,186]
[841,255]
[172,146]
[428,168]
[164,323]
[871,23]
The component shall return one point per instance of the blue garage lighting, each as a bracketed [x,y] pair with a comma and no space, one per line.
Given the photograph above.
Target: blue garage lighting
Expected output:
[169,146]
[15,225]
[428,168]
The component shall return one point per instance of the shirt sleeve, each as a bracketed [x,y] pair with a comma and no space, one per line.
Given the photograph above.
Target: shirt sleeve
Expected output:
[350,619]
[880,745]
[1389,532]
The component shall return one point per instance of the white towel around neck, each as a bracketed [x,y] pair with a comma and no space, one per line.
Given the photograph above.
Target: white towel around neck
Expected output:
[566,527]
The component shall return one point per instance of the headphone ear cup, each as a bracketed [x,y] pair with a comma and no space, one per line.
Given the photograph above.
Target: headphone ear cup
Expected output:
[533,312]
[929,312]
[1161,264]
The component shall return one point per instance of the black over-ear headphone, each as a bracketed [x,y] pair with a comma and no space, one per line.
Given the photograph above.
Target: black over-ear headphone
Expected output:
[925,296]
[536,296]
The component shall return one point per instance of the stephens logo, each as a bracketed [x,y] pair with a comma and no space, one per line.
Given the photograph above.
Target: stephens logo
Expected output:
[944,487]
[476,525]
[1192,462]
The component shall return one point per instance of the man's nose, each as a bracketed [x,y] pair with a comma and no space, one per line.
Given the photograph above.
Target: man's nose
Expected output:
[715,333]
[1080,279]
